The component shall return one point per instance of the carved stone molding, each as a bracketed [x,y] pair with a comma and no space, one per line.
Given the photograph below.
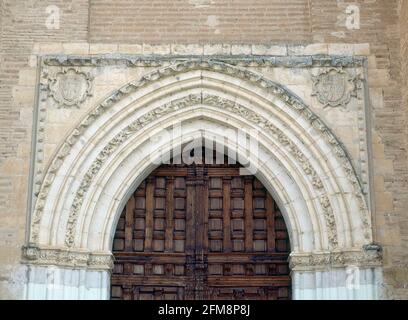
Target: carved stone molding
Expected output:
[369,256]
[35,255]
[291,100]
[334,87]
[70,87]
[118,140]
[217,102]
[305,61]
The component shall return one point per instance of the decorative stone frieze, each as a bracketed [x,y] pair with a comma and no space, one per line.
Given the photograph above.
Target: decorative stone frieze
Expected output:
[369,256]
[131,61]
[35,255]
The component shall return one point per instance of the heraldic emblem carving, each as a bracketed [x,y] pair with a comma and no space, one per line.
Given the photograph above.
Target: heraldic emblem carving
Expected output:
[70,87]
[334,87]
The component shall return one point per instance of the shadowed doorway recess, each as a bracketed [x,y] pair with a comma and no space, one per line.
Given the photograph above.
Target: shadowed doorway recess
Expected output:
[201,231]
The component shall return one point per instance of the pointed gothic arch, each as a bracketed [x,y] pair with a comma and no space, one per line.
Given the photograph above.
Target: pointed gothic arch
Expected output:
[300,161]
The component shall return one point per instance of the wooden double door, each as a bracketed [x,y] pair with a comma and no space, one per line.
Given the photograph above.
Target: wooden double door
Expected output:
[200,232]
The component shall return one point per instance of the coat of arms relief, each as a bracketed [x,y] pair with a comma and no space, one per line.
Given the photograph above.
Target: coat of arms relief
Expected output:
[70,87]
[334,87]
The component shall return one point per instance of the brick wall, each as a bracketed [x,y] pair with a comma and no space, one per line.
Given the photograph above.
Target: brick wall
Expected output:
[380,28]
[22,23]
[203,21]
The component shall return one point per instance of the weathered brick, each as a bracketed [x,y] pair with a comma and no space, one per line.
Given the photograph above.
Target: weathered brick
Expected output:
[218,27]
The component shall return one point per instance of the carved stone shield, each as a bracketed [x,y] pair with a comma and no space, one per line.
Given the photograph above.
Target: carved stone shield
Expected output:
[333,87]
[70,87]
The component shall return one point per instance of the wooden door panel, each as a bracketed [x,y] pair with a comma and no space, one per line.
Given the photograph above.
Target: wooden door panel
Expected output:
[200,232]
[147,292]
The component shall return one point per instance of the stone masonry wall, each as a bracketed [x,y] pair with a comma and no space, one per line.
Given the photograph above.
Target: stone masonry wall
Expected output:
[383,26]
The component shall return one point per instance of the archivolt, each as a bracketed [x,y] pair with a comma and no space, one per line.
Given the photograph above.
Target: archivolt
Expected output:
[183,103]
[239,97]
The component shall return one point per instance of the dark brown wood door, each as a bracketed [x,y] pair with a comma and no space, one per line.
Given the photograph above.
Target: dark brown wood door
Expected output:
[200,232]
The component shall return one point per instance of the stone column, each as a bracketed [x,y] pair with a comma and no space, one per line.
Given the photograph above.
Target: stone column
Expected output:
[52,282]
[355,274]
[350,283]
[66,274]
